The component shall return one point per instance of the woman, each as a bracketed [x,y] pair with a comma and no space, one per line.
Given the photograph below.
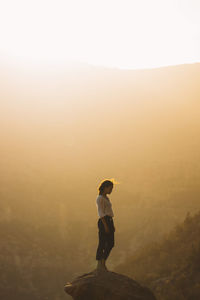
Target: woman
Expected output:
[105,224]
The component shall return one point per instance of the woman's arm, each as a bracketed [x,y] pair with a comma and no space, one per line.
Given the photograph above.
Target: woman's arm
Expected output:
[105,224]
[101,209]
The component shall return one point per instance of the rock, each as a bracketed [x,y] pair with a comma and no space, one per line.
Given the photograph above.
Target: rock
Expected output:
[107,285]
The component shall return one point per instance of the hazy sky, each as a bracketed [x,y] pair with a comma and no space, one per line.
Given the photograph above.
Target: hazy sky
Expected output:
[122,34]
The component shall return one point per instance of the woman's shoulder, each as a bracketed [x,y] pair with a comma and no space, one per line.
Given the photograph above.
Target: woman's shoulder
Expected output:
[102,198]
[99,197]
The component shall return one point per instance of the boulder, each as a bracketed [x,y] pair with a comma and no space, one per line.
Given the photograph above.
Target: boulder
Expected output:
[107,285]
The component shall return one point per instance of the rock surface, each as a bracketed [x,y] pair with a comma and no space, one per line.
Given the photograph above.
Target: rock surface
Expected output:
[107,285]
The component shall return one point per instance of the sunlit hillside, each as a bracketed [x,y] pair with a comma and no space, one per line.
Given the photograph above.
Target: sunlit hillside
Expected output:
[169,267]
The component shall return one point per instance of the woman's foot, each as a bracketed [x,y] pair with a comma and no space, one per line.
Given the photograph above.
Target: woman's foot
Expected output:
[104,264]
[100,265]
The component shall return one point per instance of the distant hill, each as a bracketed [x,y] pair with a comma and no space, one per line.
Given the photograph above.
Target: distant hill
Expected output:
[63,129]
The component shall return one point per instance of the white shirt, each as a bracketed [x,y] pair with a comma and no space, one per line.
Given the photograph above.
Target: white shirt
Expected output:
[104,206]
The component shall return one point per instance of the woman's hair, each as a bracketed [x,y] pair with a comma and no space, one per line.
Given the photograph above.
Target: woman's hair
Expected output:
[103,184]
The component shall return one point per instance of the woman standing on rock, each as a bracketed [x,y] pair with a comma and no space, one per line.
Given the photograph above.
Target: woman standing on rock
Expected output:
[105,224]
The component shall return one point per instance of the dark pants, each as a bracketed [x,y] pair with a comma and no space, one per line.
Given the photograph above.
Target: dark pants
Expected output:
[106,240]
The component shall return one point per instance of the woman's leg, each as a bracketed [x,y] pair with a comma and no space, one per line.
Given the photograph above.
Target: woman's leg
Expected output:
[101,245]
[109,244]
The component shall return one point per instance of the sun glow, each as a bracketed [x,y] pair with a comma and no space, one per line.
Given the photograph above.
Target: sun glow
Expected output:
[124,34]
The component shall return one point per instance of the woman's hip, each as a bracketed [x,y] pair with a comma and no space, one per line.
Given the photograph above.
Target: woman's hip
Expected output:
[109,222]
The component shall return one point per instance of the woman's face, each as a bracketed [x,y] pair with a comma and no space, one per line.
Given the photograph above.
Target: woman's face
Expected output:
[108,189]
